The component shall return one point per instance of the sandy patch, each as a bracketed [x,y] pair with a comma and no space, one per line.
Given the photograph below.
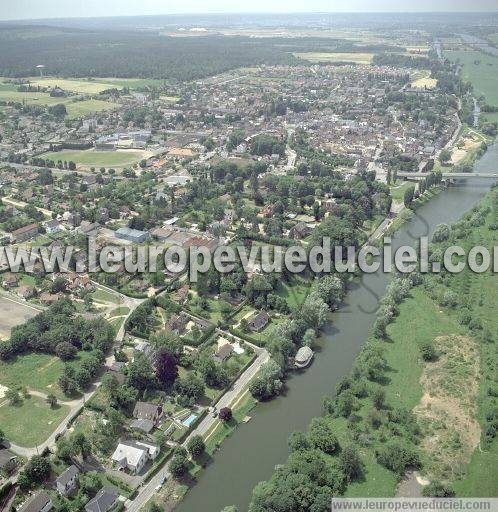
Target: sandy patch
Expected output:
[3,390]
[447,410]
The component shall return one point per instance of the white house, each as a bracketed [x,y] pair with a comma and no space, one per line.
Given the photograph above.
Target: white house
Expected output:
[133,455]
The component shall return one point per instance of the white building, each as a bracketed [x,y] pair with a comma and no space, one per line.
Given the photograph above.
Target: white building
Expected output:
[133,455]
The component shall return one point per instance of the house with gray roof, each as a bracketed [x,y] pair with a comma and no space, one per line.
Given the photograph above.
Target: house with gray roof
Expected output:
[103,502]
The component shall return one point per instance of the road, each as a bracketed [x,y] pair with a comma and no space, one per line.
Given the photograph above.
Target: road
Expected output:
[147,492]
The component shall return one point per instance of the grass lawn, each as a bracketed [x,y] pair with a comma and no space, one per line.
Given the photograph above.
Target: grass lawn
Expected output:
[481,70]
[92,158]
[30,423]
[77,109]
[35,371]
[121,311]
[355,58]
[398,190]
[104,296]
[74,108]
[480,479]
[294,293]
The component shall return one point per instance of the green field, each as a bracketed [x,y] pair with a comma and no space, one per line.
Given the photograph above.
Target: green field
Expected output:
[35,371]
[294,293]
[354,58]
[84,108]
[74,85]
[75,107]
[481,70]
[92,158]
[30,423]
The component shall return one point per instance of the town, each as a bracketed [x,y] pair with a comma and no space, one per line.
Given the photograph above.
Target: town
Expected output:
[116,388]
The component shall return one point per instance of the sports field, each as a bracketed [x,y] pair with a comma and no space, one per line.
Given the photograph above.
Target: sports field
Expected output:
[13,313]
[93,158]
[355,58]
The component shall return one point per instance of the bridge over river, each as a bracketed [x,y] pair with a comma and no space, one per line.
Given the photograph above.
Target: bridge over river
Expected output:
[449,175]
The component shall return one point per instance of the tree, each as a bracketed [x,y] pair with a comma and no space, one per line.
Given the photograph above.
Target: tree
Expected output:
[36,471]
[196,446]
[322,437]
[313,312]
[409,195]
[65,351]
[268,383]
[397,456]
[13,396]
[445,156]
[438,490]
[441,233]
[379,398]
[154,507]
[51,400]
[350,463]
[298,441]
[166,368]
[178,466]
[427,351]
[225,414]
[140,373]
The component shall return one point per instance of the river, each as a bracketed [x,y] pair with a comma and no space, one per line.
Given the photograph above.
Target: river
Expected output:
[251,454]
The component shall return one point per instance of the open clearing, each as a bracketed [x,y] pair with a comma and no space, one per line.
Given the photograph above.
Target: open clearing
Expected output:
[79,86]
[13,314]
[425,83]
[31,422]
[39,372]
[447,410]
[93,158]
[481,70]
[355,58]
[75,107]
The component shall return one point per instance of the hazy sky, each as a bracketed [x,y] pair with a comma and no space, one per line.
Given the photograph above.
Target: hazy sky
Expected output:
[30,9]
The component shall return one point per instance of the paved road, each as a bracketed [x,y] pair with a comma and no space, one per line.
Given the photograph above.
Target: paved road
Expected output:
[148,491]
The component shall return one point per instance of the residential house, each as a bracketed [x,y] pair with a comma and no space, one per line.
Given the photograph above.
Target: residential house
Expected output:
[68,481]
[9,281]
[26,292]
[259,321]
[103,501]
[299,231]
[25,233]
[223,353]
[133,455]
[147,411]
[181,295]
[52,226]
[132,235]
[39,502]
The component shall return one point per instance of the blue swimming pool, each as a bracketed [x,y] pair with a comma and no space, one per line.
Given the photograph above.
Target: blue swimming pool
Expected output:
[189,420]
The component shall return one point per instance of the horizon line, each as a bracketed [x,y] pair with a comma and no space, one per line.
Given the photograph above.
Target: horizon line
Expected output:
[242,13]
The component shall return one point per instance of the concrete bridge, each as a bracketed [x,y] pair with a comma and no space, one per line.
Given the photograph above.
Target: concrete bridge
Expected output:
[449,175]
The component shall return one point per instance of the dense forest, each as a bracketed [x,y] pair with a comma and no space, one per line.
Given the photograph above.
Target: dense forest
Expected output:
[130,54]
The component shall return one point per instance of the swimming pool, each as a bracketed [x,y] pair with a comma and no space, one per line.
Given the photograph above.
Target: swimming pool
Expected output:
[190,420]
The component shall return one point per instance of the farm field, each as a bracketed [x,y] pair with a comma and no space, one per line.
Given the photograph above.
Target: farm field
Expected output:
[31,422]
[13,313]
[355,58]
[479,69]
[79,86]
[92,158]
